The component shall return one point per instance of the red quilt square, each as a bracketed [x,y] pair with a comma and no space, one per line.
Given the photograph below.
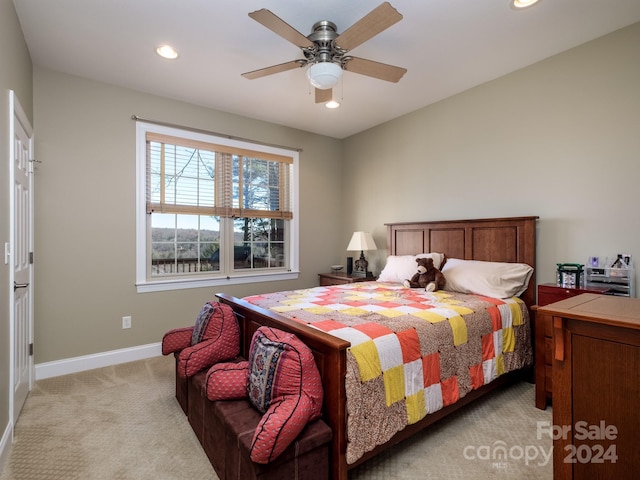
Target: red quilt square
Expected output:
[431,369]
[319,301]
[410,345]
[373,330]
[450,392]
[388,304]
[355,303]
[496,318]
[420,306]
[328,325]
[488,350]
[477,376]
[495,301]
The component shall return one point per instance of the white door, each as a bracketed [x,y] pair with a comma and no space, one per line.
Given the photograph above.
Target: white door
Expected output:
[20,253]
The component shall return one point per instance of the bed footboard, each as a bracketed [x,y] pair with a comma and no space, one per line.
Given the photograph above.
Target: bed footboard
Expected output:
[330,356]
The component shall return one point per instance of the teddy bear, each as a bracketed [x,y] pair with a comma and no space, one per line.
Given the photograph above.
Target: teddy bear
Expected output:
[427,276]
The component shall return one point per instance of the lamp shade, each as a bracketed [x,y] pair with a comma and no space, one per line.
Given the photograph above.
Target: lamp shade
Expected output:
[324,75]
[361,241]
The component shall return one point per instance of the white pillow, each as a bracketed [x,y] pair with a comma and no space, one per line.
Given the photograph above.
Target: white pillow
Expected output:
[401,267]
[491,279]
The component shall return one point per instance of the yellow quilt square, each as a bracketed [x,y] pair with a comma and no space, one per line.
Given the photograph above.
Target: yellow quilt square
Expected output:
[459,329]
[516,314]
[508,339]
[391,313]
[460,310]
[416,407]
[394,384]
[285,309]
[318,310]
[429,316]
[366,355]
[500,365]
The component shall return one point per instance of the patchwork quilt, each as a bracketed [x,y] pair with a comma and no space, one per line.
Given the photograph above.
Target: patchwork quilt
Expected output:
[412,352]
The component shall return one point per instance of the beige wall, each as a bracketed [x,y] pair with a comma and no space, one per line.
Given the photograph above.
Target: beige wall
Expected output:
[559,139]
[15,74]
[85,214]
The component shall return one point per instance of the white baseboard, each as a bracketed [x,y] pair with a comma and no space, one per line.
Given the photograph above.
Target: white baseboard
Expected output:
[97,360]
[5,445]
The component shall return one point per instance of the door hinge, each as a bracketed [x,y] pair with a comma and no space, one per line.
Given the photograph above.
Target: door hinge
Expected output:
[31,258]
[31,349]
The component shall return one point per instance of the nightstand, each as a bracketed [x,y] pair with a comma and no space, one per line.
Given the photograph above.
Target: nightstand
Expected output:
[549,293]
[340,278]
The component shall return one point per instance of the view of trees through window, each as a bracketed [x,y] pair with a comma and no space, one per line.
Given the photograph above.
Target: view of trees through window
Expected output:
[258,243]
[213,211]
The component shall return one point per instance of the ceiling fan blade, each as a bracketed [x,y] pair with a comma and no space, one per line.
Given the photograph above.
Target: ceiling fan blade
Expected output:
[370,25]
[280,27]
[323,96]
[373,69]
[283,67]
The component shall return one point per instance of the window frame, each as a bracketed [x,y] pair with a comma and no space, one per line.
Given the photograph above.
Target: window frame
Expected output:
[145,283]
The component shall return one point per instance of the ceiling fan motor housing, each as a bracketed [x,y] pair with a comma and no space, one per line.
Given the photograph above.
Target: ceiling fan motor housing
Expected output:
[323,36]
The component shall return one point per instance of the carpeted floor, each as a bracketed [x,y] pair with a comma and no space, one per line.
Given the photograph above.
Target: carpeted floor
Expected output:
[123,422]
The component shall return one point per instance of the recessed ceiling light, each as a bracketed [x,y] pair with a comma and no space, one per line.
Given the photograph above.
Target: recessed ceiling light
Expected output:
[332,104]
[167,51]
[520,4]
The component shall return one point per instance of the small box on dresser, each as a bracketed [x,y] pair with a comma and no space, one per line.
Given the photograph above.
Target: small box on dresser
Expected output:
[550,293]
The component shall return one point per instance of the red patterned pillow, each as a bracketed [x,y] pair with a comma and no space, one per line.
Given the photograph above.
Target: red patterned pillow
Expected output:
[227,381]
[285,384]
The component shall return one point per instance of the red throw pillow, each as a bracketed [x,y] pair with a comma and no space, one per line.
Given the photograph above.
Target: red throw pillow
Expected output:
[285,384]
[227,381]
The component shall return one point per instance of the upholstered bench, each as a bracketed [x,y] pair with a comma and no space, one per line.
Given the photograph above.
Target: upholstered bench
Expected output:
[306,458]
[225,429]
[260,418]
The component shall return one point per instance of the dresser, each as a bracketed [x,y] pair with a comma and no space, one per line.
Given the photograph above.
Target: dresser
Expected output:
[549,293]
[596,387]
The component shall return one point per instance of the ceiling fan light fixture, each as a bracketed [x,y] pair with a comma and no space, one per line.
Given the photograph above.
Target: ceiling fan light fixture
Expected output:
[324,75]
[167,51]
[520,4]
[332,104]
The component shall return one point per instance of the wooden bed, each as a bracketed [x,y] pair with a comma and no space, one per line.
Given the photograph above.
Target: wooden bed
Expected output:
[495,239]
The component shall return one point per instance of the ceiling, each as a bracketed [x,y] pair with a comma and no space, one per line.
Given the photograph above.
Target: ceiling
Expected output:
[447,46]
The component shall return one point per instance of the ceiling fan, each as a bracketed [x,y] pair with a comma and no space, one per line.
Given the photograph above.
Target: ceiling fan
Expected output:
[325,51]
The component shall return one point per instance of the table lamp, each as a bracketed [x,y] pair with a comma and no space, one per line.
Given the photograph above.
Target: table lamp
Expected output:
[361,241]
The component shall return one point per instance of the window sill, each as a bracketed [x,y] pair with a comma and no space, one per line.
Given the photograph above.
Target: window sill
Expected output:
[181,284]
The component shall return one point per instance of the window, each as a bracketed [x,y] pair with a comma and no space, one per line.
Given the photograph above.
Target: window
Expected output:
[212,210]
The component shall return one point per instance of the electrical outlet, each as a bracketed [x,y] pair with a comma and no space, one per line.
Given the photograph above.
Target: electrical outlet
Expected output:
[126,322]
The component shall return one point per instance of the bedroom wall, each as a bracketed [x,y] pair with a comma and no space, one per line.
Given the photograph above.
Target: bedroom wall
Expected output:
[559,139]
[85,214]
[15,74]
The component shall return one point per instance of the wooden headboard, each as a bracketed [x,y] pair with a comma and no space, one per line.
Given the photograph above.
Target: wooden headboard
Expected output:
[491,239]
